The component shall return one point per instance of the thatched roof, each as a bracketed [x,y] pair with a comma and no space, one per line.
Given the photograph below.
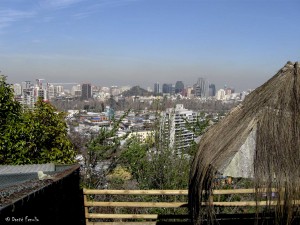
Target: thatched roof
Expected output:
[261,138]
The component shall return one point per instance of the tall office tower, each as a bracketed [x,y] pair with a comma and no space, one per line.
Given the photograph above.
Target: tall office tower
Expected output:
[86,91]
[165,89]
[156,88]
[200,88]
[173,130]
[172,89]
[179,86]
[168,89]
[212,90]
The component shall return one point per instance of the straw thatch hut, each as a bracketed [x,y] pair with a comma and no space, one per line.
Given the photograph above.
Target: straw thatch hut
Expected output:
[259,139]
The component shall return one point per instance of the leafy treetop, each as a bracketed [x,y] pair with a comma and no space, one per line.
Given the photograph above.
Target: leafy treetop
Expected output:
[31,136]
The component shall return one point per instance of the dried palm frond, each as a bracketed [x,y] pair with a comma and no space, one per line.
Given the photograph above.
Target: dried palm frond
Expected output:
[272,111]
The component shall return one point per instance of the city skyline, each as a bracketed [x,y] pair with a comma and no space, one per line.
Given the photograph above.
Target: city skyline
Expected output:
[43,83]
[141,42]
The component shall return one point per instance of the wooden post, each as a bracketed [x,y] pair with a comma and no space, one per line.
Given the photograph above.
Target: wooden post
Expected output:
[211,200]
[219,198]
[86,210]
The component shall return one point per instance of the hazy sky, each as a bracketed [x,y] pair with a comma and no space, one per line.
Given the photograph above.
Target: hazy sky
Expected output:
[241,43]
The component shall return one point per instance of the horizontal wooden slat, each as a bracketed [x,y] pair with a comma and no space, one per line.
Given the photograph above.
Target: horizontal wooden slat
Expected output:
[233,191]
[247,203]
[135,192]
[121,216]
[181,204]
[138,223]
[122,223]
[171,192]
[162,204]
[242,191]
[139,204]
[252,203]
[136,216]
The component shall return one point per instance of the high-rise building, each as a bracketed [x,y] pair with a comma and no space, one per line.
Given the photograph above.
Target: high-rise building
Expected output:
[39,83]
[26,84]
[179,86]
[212,90]
[172,89]
[221,94]
[58,90]
[17,89]
[168,89]
[189,92]
[165,89]
[28,97]
[50,89]
[200,88]
[86,91]
[76,90]
[156,88]
[173,130]
[42,93]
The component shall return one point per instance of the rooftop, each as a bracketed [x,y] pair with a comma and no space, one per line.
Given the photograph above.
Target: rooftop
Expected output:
[17,182]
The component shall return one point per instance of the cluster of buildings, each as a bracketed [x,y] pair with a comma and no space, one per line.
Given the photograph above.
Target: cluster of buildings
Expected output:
[201,89]
[173,125]
[173,121]
[28,92]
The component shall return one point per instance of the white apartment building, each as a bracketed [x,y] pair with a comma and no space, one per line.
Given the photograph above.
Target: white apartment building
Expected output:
[58,90]
[28,98]
[173,130]
[221,94]
[50,90]
[17,89]
[76,90]
[142,135]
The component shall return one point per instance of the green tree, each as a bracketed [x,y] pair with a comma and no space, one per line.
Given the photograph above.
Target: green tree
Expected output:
[10,112]
[198,127]
[134,157]
[31,136]
[156,169]
[103,147]
[48,134]
[157,165]
[9,108]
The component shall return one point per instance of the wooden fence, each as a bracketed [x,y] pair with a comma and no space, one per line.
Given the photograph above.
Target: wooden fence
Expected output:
[90,202]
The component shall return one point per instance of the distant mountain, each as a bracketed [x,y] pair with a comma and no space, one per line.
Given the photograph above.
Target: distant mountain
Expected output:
[136,91]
